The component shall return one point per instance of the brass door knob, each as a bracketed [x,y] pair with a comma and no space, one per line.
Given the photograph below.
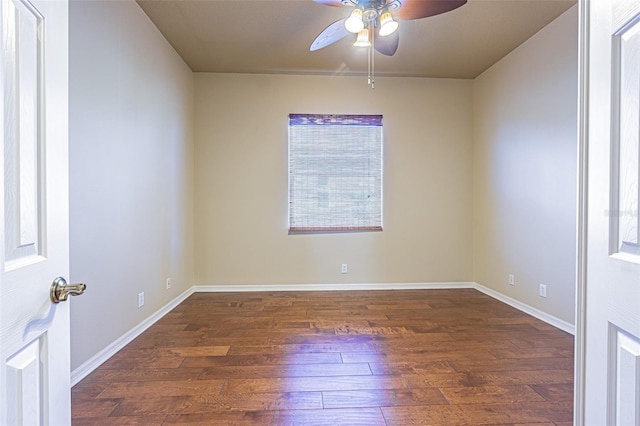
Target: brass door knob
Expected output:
[60,290]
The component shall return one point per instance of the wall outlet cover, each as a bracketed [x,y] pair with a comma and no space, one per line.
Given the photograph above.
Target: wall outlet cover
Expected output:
[543,290]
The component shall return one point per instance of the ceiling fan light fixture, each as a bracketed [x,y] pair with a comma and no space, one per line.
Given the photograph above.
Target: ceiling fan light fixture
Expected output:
[354,23]
[387,24]
[363,39]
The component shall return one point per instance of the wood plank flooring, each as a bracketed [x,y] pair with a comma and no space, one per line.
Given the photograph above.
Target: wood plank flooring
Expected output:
[424,357]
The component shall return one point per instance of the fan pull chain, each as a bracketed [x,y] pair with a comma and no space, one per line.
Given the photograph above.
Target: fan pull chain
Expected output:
[369,65]
[371,58]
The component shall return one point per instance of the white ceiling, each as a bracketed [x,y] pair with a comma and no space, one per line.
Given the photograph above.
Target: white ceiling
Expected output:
[273,36]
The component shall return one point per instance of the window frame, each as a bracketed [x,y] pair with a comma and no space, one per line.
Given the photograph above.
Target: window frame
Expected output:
[374,215]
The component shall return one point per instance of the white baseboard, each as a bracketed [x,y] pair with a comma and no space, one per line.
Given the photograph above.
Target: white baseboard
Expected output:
[331,287]
[98,359]
[534,312]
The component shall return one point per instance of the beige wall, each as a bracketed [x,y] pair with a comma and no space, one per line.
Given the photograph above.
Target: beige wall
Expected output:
[131,171]
[241,181]
[525,140]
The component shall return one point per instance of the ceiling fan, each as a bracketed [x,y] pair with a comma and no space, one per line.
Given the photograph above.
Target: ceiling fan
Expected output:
[375,21]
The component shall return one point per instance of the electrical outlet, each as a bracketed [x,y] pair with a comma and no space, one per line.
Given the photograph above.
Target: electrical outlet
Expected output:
[168,283]
[543,290]
[512,279]
[344,269]
[140,299]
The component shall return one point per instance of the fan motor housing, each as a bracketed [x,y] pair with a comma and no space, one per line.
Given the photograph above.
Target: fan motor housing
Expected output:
[374,4]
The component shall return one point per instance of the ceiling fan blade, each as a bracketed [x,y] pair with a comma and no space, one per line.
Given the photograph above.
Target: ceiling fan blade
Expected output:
[330,35]
[416,9]
[387,45]
[334,3]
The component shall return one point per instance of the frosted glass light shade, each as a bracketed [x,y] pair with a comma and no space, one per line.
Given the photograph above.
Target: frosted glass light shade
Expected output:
[387,24]
[354,23]
[363,39]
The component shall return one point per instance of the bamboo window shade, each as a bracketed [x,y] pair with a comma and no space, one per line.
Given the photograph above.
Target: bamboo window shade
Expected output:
[335,172]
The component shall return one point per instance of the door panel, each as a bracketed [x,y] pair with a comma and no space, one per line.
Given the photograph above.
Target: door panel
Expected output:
[24,380]
[23,141]
[34,332]
[611,324]
[625,123]
[625,379]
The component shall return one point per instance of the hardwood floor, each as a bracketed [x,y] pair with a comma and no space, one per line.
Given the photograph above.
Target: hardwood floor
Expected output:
[424,357]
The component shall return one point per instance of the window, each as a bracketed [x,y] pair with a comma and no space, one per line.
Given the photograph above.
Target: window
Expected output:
[335,172]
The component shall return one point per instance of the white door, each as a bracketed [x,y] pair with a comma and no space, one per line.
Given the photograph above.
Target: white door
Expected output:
[34,332]
[610,376]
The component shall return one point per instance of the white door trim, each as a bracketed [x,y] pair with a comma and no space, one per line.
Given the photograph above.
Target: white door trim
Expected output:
[582,201]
